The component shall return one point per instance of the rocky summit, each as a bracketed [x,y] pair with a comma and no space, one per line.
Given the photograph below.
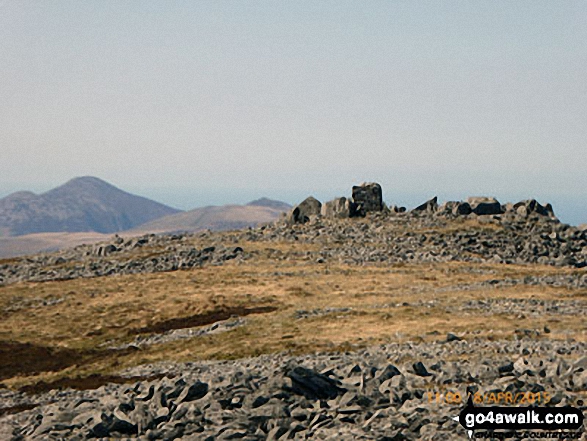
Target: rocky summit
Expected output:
[346,319]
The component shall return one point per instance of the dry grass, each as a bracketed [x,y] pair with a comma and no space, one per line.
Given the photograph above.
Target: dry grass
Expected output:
[84,315]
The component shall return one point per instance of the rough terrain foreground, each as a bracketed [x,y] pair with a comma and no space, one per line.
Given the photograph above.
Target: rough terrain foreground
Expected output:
[363,328]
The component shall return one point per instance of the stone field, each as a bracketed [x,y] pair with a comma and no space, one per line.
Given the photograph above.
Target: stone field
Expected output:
[345,320]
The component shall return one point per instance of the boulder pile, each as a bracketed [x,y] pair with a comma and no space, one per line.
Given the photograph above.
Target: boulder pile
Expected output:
[368,198]
[476,230]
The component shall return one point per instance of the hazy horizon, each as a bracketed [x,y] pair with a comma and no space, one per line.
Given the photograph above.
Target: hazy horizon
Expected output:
[201,103]
[187,199]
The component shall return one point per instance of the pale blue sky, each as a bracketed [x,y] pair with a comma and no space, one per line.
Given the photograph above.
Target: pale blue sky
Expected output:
[211,102]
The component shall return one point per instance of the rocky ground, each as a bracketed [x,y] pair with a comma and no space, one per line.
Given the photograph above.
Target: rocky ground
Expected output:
[389,392]
[416,237]
[395,391]
[146,254]
[380,238]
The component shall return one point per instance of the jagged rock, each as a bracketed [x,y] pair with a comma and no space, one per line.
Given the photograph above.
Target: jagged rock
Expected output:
[305,210]
[389,372]
[368,197]
[313,385]
[446,208]
[484,205]
[420,369]
[105,250]
[369,409]
[527,207]
[429,206]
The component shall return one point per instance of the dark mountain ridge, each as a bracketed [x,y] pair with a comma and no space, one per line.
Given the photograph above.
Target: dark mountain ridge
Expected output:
[80,205]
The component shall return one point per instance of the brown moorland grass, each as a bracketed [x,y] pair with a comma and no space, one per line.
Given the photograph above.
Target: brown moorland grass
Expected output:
[369,304]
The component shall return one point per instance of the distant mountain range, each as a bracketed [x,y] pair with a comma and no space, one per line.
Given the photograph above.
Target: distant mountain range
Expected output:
[80,205]
[31,223]
[216,218]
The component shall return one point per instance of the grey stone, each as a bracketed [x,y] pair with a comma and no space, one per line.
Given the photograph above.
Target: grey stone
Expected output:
[484,205]
[397,209]
[420,369]
[527,207]
[450,337]
[361,412]
[462,209]
[390,371]
[313,385]
[194,392]
[337,208]
[305,210]
[368,197]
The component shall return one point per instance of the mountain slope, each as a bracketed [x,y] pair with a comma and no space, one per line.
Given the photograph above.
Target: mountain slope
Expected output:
[225,217]
[271,203]
[80,205]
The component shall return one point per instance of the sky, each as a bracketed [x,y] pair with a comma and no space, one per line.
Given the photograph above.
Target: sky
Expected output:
[211,102]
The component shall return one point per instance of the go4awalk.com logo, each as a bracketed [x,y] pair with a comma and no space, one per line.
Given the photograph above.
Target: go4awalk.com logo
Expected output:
[523,422]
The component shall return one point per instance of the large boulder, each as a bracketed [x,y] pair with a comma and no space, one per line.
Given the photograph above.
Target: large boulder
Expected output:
[337,208]
[462,209]
[368,197]
[305,210]
[454,208]
[312,385]
[484,206]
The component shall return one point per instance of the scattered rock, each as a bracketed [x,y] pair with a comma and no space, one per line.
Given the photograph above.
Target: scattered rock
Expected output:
[284,397]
